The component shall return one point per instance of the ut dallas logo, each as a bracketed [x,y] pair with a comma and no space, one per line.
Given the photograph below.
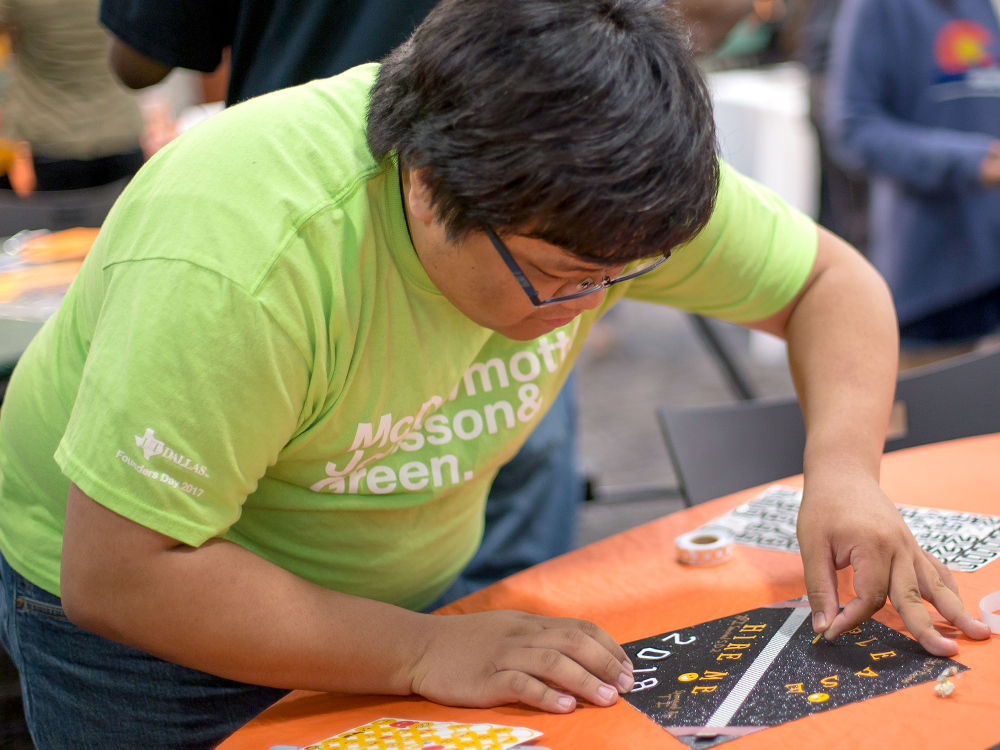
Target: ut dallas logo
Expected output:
[149,444]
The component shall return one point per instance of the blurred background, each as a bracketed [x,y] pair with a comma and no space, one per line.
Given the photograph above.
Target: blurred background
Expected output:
[768,64]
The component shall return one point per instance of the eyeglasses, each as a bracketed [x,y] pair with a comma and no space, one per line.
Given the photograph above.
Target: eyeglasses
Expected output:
[585,287]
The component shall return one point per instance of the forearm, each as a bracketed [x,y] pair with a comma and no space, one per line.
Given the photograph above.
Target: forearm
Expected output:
[843,348]
[134,69]
[221,609]
[924,158]
[843,345]
[224,610]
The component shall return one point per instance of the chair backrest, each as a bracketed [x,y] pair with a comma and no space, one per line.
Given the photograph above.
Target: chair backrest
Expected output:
[722,449]
[954,399]
[717,450]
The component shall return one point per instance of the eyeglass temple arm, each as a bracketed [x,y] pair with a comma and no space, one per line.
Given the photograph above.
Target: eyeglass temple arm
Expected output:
[514,268]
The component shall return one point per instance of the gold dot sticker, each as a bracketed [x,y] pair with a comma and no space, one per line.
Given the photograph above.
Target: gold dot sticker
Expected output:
[688,676]
[817,697]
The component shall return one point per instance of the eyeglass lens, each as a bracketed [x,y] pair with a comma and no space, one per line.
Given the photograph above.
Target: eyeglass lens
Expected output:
[595,282]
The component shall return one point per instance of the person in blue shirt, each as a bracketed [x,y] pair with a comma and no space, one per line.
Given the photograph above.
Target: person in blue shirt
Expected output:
[914,98]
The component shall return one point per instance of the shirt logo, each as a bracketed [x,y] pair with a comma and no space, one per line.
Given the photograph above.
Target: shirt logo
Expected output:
[508,394]
[962,45]
[153,447]
[968,68]
[149,444]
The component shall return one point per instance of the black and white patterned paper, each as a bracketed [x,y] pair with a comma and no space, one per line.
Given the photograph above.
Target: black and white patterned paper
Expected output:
[962,541]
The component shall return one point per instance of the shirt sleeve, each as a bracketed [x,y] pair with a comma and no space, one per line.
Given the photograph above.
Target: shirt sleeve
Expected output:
[189,392]
[180,33]
[748,263]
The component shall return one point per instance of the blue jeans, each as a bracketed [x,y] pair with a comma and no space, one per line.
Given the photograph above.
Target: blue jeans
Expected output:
[84,691]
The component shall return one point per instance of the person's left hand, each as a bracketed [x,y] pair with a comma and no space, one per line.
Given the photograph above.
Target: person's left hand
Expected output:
[989,168]
[847,520]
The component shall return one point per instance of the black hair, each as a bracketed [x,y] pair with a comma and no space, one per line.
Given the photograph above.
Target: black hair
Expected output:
[583,123]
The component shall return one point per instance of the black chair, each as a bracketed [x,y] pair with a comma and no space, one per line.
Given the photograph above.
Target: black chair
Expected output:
[718,450]
[723,356]
[722,449]
[954,399]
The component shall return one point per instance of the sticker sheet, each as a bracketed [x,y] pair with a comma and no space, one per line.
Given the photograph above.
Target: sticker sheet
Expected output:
[726,678]
[407,734]
[962,541]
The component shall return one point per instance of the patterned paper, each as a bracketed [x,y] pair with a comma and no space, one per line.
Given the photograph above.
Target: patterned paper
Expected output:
[406,734]
[962,541]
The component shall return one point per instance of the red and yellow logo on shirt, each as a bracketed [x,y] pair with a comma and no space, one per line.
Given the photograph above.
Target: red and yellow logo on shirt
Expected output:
[961,45]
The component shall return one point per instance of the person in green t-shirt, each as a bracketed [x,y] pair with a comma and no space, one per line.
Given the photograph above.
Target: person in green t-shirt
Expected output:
[256,439]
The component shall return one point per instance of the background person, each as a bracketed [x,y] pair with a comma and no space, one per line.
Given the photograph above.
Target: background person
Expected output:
[843,191]
[62,99]
[914,97]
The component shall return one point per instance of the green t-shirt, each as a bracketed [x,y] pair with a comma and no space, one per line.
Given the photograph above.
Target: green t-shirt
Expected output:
[253,351]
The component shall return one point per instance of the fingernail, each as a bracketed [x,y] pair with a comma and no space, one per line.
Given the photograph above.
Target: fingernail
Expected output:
[627,666]
[819,621]
[566,702]
[607,693]
[626,681]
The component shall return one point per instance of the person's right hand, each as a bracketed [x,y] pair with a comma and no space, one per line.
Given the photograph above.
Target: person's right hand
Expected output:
[989,168]
[492,658]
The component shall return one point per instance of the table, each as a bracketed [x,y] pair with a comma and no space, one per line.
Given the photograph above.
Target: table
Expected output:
[54,210]
[630,585]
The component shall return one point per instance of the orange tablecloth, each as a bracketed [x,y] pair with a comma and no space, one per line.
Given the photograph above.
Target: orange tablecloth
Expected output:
[630,585]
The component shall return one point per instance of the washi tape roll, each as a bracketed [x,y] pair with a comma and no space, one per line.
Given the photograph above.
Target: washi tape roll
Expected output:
[704,547]
[988,604]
